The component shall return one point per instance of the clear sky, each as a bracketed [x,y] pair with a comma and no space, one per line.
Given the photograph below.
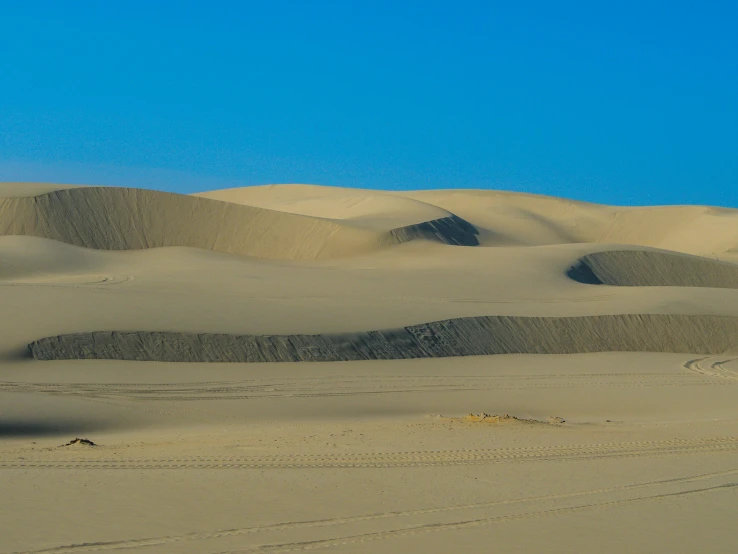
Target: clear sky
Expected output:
[627,102]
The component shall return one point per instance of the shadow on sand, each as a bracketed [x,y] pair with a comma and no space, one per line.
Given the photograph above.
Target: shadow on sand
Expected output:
[11,428]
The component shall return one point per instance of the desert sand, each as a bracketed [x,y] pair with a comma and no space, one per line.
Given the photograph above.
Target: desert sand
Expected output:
[291,368]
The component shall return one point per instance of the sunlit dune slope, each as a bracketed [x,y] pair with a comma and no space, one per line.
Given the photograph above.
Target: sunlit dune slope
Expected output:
[113,218]
[510,218]
[361,205]
[533,220]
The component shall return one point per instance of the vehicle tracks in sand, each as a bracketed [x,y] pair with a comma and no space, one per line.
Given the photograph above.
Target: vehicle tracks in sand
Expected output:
[462,525]
[714,366]
[359,385]
[370,460]
[400,522]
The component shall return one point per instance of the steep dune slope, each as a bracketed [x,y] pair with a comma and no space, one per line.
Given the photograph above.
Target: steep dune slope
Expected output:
[124,219]
[113,218]
[312,222]
[644,268]
[474,336]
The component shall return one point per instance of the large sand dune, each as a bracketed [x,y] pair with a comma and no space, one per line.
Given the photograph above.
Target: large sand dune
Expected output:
[597,344]
[472,336]
[508,218]
[540,220]
[113,218]
[310,222]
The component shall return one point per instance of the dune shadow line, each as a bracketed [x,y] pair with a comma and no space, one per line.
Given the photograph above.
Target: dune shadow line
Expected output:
[470,336]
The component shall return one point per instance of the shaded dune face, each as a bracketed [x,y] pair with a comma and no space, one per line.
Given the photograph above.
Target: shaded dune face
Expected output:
[645,268]
[472,336]
[449,230]
[110,218]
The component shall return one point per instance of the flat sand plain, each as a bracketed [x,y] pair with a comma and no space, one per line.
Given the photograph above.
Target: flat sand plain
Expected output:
[632,449]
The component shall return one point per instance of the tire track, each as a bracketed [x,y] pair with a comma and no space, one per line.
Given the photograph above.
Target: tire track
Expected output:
[329,522]
[713,366]
[436,527]
[245,390]
[439,458]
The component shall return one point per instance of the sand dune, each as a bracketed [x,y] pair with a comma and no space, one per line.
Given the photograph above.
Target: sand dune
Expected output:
[594,343]
[124,219]
[309,222]
[112,218]
[516,218]
[507,218]
[368,206]
[477,336]
[645,268]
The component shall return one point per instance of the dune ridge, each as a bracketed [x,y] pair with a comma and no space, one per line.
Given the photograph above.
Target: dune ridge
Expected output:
[470,336]
[308,222]
[112,218]
[357,205]
[648,268]
[505,218]
[537,220]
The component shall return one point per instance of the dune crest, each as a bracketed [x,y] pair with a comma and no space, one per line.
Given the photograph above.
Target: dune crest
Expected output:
[111,218]
[358,205]
[505,218]
[535,220]
[309,222]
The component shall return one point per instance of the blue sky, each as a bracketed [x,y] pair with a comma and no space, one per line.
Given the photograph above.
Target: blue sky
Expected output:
[616,102]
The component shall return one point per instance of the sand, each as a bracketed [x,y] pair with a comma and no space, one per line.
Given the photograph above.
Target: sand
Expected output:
[291,367]
[468,336]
